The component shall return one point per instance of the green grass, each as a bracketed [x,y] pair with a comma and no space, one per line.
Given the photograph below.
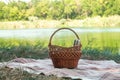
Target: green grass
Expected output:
[11,48]
[97,46]
[104,54]
[94,40]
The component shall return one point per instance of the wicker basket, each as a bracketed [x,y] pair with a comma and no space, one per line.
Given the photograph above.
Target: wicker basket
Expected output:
[64,57]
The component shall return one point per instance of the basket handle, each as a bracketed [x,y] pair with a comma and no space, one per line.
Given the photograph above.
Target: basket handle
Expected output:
[59,30]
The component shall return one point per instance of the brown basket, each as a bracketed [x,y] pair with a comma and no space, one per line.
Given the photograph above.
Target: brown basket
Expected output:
[64,57]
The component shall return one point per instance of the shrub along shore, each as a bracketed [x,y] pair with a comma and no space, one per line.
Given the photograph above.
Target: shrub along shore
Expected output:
[94,22]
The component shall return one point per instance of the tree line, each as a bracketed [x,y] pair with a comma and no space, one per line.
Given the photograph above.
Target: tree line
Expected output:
[57,9]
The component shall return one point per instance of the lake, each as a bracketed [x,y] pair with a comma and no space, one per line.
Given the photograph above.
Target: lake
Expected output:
[25,33]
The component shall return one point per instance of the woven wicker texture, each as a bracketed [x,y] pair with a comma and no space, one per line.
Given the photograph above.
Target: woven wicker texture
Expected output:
[64,57]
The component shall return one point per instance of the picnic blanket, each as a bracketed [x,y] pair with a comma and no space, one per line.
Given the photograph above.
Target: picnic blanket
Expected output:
[86,69]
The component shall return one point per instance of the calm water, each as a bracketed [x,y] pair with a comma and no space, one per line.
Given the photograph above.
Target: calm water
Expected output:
[32,33]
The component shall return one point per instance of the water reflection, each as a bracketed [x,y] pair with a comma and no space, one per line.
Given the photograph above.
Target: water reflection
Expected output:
[25,33]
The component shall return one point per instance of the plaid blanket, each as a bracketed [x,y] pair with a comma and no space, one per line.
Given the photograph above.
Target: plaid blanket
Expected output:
[86,69]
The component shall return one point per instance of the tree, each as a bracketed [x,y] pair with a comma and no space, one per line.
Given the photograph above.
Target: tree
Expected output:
[35,2]
[2,4]
[56,10]
[69,7]
[14,13]
[42,9]
[6,11]
[112,7]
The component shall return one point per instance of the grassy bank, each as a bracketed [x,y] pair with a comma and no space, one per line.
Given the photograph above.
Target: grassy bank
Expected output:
[12,48]
[95,22]
[17,74]
[37,49]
